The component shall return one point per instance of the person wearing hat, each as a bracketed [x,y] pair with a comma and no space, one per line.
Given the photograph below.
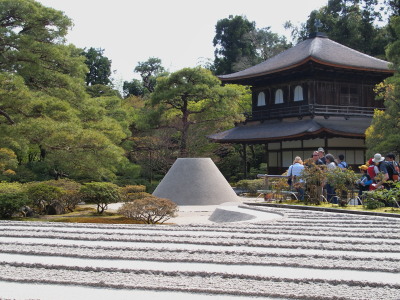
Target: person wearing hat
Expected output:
[379,161]
[365,181]
[321,153]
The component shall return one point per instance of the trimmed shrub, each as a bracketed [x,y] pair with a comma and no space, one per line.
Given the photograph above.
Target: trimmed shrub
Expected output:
[45,198]
[134,196]
[11,203]
[134,188]
[251,186]
[65,184]
[100,193]
[11,187]
[382,197]
[343,181]
[70,197]
[370,203]
[150,210]
[132,192]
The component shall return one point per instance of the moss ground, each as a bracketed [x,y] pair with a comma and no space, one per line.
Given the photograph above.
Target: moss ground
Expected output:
[84,214]
[392,210]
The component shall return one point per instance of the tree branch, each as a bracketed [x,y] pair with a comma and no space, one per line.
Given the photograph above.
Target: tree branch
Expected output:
[3,113]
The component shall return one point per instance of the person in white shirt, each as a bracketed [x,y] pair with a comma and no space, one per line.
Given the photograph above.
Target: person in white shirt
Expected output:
[294,172]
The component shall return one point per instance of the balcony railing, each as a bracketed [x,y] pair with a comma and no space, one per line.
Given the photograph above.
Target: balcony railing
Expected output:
[311,110]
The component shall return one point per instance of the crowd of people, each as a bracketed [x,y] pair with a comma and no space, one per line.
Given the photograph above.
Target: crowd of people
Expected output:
[377,173]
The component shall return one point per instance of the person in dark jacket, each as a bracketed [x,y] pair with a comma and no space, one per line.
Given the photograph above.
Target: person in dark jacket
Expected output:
[392,166]
[321,153]
[316,158]
[341,163]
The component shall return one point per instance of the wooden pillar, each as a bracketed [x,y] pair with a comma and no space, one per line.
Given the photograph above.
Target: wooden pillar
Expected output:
[326,144]
[245,160]
[266,157]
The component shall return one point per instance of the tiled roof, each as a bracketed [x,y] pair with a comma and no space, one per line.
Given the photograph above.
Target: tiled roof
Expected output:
[281,130]
[320,49]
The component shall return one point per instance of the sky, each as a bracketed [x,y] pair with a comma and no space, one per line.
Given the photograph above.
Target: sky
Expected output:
[179,32]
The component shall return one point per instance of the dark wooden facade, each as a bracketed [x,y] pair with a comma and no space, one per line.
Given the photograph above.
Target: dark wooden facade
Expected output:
[325,99]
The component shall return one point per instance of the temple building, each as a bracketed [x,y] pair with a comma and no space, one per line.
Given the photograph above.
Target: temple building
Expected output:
[317,94]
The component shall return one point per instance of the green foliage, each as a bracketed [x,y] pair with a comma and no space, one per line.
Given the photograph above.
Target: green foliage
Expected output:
[11,187]
[392,50]
[54,128]
[11,203]
[129,197]
[314,176]
[194,96]
[149,71]
[239,45]
[70,197]
[351,23]
[229,160]
[128,173]
[232,44]
[383,135]
[33,46]
[58,139]
[8,163]
[99,67]
[134,188]
[64,184]
[100,193]
[43,196]
[383,197]
[132,192]
[372,200]
[12,198]
[101,90]
[251,186]
[134,87]
[150,210]
[343,181]
[393,7]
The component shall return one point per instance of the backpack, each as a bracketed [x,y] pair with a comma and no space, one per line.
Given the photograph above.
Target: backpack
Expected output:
[390,169]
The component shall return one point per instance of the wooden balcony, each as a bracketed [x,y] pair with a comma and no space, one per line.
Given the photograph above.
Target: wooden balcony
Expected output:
[311,110]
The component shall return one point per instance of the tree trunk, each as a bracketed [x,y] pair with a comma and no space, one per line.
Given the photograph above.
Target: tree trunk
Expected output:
[184,133]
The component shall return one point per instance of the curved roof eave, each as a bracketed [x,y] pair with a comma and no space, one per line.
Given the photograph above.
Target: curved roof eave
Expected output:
[289,137]
[304,61]
[287,130]
[319,49]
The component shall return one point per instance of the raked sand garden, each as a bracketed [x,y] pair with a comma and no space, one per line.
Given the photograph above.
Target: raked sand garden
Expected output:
[227,251]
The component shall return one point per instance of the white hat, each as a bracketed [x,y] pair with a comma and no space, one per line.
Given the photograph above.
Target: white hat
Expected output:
[378,158]
[321,149]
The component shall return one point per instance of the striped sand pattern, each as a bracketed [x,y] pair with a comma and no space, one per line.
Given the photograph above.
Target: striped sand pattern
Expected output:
[303,255]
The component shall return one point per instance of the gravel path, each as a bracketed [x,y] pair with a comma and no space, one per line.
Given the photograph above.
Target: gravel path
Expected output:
[301,255]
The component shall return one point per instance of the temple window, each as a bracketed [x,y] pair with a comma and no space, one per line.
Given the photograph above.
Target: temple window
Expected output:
[349,95]
[261,99]
[278,96]
[298,93]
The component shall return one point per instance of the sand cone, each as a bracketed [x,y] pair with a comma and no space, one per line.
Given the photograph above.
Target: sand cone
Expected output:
[195,181]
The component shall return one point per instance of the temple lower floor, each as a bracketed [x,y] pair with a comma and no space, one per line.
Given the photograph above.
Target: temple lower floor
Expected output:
[283,140]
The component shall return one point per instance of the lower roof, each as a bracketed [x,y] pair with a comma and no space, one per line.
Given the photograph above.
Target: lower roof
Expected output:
[279,130]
